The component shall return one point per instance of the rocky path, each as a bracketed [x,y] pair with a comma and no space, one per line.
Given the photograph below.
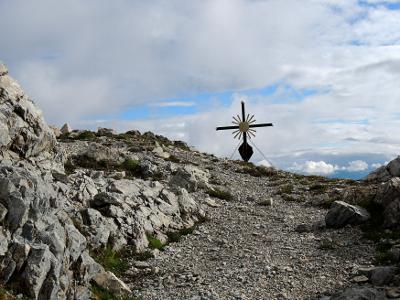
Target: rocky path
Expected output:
[250,251]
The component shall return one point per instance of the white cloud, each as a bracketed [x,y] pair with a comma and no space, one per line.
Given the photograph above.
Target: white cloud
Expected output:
[173,104]
[83,61]
[315,167]
[264,163]
[376,165]
[357,165]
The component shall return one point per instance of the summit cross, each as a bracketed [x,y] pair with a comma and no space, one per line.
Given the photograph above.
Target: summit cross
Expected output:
[244,128]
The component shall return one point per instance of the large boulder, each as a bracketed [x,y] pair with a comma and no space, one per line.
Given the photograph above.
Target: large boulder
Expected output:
[388,196]
[385,173]
[23,131]
[190,178]
[341,214]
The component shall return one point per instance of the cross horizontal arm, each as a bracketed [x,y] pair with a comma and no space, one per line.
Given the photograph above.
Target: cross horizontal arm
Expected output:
[227,127]
[261,125]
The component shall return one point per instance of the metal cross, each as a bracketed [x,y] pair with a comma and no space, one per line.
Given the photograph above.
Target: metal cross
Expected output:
[244,126]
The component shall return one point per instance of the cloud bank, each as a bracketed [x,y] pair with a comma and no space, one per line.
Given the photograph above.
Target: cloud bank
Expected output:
[325,72]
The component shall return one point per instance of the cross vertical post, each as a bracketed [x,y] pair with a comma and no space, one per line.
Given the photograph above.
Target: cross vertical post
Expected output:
[243,120]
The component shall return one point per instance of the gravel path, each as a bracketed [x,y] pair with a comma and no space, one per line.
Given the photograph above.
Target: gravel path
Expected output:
[249,251]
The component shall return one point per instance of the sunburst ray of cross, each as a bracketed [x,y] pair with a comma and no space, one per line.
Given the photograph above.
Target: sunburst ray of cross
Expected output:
[244,127]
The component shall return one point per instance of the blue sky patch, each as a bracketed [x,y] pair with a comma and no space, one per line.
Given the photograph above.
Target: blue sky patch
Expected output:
[278,93]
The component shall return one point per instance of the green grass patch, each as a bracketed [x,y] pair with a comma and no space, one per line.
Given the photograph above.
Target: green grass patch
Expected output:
[175,236]
[86,136]
[124,137]
[287,189]
[111,260]
[258,171]
[292,198]
[130,166]
[327,245]
[318,188]
[181,145]
[220,194]
[173,158]
[155,243]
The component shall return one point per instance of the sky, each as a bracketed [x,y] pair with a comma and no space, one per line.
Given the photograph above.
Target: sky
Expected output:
[325,72]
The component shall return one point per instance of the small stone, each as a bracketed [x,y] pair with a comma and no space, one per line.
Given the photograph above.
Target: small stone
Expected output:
[3,69]
[212,203]
[360,279]
[302,228]
[267,202]
[141,264]
[393,293]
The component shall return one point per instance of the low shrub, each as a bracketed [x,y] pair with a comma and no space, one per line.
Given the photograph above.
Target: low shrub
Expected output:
[69,167]
[318,188]
[86,136]
[220,194]
[287,189]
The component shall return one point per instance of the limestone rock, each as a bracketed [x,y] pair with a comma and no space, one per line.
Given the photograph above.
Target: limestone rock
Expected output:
[37,268]
[159,151]
[4,240]
[190,178]
[66,129]
[3,212]
[57,132]
[147,168]
[341,213]
[112,283]
[106,131]
[22,127]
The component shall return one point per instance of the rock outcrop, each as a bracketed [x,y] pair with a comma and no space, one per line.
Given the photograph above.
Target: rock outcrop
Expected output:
[384,173]
[342,214]
[51,222]
[24,135]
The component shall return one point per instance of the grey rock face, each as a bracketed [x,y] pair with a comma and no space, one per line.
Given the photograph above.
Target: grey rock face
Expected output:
[342,213]
[385,173]
[22,127]
[359,293]
[45,243]
[65,129]
[388,196]
[190,178]
[38,265]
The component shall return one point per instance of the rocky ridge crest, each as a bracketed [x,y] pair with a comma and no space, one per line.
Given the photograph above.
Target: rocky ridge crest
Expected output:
[80,213]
